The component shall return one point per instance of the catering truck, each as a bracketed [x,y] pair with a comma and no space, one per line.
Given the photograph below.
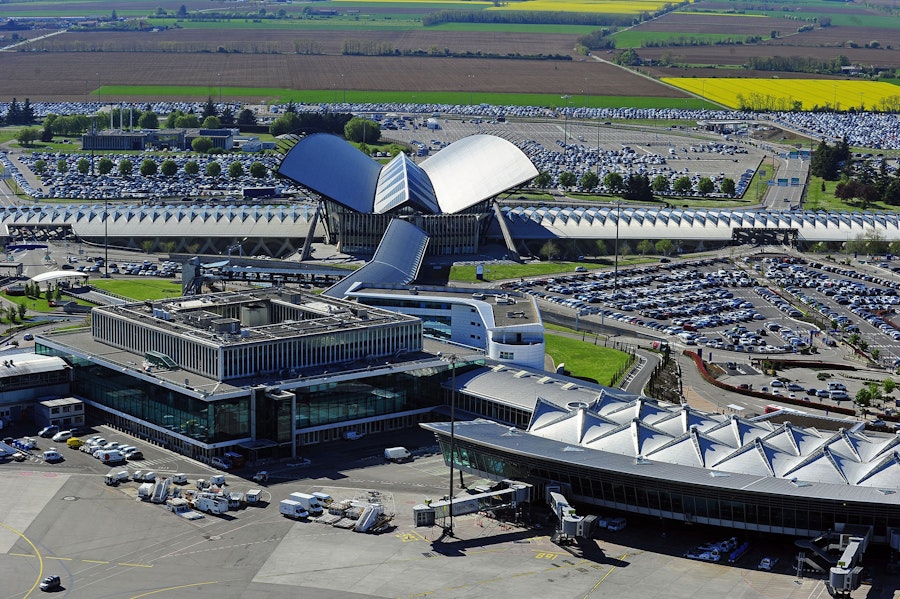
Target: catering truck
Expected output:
[309,502]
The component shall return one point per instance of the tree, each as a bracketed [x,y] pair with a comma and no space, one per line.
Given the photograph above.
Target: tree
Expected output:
[46,133]
[28,135]
[567,179]
[246,117]
[705,185]
[148,167]
[209,109]
[168,168]
[660,184]
[148,120]
[83,165]
[601,247]
[889,385]
[212,122]
[202,145]
[105,166]
[589,180]
[213,169]
[360,130]
[637,187]
[40,167]
[191,168]
[182,12]
[235,170]
[258,170]
[613,182]
[682,185]
[549,251]
[62,165]
[664,247]
[645,246]
[187,121]
[542,181]
[727,187]
[286,123]
[126,167]
[22,310]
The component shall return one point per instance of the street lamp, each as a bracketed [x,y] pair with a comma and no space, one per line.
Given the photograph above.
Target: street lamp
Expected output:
[616,268]
[566,97]
[106,237]
[453,359]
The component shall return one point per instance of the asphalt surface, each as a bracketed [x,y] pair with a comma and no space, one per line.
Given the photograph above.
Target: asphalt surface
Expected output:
[105,543]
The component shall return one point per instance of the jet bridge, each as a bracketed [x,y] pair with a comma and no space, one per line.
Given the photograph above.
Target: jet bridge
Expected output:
[514,493]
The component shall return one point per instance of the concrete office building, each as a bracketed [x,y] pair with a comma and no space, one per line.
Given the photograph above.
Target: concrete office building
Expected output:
[505,324]
[25,378]
[259,372]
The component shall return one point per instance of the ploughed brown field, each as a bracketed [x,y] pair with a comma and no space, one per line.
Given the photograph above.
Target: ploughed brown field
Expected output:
[69,76]
[739,26]
[737,55]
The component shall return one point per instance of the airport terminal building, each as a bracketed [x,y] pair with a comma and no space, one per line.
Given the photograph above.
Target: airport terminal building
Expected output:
[260,372]
[638,455]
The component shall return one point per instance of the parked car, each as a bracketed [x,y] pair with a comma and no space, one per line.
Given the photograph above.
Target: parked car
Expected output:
[48,431]
[768,564]
[51,583]
[62,436]
[220,463]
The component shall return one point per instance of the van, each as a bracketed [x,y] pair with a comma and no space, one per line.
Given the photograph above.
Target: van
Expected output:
[220,463]
[51,455]
[397,454]
[836,386]
[111,456]
[217,480]
[179,479]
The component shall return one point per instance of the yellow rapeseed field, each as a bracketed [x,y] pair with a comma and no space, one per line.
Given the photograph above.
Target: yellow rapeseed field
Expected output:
[790,94]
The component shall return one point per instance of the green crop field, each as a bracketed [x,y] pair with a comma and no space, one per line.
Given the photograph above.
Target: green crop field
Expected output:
[636,39]
[312,96]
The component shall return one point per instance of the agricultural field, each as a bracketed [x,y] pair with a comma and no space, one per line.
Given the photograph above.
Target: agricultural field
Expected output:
[784,94]
[359,48]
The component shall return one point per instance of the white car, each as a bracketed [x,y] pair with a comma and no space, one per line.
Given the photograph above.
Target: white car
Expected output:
[768,564]
[62,436]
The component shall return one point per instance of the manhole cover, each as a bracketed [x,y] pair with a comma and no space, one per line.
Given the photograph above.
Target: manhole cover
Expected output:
[70,498]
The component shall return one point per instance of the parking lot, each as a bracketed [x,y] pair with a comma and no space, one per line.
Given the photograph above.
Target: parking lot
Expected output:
[102,541]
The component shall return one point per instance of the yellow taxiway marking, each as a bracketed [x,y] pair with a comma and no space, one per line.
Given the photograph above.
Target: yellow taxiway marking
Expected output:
[65,559]
[94,561]
[135,565]
[37,553]
[184,586]
[599,582]
[87,561]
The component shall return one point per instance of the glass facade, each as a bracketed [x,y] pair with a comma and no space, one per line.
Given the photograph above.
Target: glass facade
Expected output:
[679,501]
[333,403]
[204,421]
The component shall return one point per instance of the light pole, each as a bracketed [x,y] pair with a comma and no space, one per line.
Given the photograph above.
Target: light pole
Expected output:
[566,124]
[471,85]
[106,237]
[452,358]
[616,267]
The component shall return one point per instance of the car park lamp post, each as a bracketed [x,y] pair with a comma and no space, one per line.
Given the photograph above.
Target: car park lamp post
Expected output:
[566,97]
[453,359]
[616,258]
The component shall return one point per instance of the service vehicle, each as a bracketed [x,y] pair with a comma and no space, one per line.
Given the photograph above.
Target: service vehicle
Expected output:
[309,502]
[236,500]
[217,480]
[74,443]
[612,524]
[292,509]
[353,435]
[221,463]
[210,503]
[261,477]
[114,477]
[397,454]
[48,431]
[253,496]
[767,564]
[179,478]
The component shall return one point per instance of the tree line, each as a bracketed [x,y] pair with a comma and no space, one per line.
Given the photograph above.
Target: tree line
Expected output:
[859,181]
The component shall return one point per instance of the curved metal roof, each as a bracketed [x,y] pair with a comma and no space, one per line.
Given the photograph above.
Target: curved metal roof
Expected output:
[331,167]
[476,168]
[464,173]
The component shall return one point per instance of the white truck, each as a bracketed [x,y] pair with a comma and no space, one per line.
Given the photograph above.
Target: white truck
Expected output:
[114,477]
[613,524]
[210,504]
[292,509]
[145,491]
[253,496]
[397,454]
[309,502]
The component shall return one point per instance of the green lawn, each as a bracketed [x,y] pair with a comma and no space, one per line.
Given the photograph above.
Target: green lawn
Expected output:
[140,289]
[584,359]
[501,272]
